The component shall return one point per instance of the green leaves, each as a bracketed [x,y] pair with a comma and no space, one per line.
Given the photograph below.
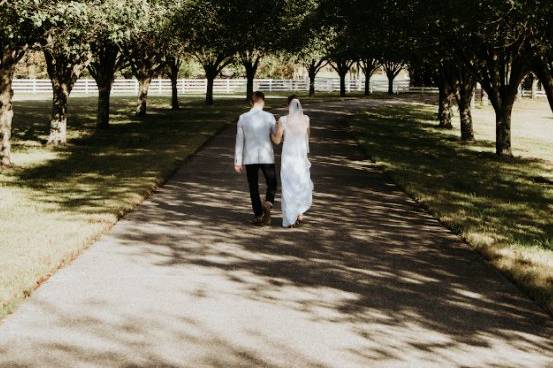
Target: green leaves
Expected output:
[21,23]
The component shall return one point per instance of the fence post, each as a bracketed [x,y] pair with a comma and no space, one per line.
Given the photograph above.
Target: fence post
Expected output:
[135,82]
[34,85]
[270,85]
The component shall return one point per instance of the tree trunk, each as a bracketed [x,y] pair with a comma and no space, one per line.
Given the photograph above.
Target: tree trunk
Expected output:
[209,91]
[367,85]
[58,121]
[391,78]
[342,67]
[467,132]
[503,130]
[141,103]
[312,69]
[174,76]
[444,106]
[368,66]
[312,77]
[102,115]
[102,69]
[465,96]
[6,115]
[250,76]
[343,83]
[174,93]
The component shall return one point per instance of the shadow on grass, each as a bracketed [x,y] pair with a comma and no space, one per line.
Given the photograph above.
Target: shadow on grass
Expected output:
[110,170]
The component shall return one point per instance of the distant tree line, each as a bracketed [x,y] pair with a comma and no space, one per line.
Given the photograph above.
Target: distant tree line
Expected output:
[453,44]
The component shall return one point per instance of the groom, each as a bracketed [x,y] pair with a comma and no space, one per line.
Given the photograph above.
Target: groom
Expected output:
[254,152]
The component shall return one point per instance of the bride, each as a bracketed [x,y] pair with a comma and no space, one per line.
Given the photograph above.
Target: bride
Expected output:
[297,187]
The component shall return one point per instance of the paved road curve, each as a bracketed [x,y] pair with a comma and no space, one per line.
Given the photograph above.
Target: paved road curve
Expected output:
[370,282]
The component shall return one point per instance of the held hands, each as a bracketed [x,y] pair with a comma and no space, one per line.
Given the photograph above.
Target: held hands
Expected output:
[239,169]
[276,136]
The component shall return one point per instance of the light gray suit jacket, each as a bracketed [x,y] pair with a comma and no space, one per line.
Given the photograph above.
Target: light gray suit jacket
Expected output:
[253,138]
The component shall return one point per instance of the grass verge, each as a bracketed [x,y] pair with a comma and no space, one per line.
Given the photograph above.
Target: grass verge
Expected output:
[501,207]
[57,201]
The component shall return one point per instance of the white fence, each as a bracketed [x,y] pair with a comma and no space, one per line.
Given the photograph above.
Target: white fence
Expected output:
[129,87]
[221,86]
[537,94]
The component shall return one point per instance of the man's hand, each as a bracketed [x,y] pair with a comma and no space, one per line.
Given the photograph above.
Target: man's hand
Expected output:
[239,169]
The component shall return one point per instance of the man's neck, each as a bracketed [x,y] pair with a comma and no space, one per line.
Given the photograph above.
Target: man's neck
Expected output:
[258,106]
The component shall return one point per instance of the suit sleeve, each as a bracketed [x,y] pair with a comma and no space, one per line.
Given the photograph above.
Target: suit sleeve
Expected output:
[239,150]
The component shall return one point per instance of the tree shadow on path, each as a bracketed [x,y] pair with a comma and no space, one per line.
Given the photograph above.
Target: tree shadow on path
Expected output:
[370,278]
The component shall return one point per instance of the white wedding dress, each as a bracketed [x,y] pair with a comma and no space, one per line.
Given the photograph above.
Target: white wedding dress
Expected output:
[297,187]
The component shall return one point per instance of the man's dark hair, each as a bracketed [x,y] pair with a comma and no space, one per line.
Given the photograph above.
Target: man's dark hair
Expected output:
[258,96]
[292,97]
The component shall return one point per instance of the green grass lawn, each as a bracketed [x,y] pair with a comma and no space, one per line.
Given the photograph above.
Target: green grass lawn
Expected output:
[56,201]
[502,207]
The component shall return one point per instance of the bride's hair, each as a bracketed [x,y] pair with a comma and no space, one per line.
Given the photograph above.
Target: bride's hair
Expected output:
[291,98]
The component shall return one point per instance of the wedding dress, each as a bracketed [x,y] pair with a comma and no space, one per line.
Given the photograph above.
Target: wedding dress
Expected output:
[297,187]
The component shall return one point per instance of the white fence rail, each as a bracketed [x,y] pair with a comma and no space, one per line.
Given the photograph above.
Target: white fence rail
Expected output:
[199,86]
[537,94]
[129,87]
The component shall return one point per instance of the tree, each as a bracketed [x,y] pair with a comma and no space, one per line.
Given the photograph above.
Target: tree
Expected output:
[374,33]
[146,48]
[394,27]
[265,27]
[316,40]
[314,54]
[67,53]
[369,66]
[341,62]
[392,67]
[114,20]
[363,20]
[337,16]
[205,28]
[492,37]
[21,23]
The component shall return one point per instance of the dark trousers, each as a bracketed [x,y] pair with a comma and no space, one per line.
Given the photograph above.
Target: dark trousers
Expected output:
[269,172]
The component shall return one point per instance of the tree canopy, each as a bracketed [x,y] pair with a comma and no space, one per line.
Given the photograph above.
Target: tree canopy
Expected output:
[456,44]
